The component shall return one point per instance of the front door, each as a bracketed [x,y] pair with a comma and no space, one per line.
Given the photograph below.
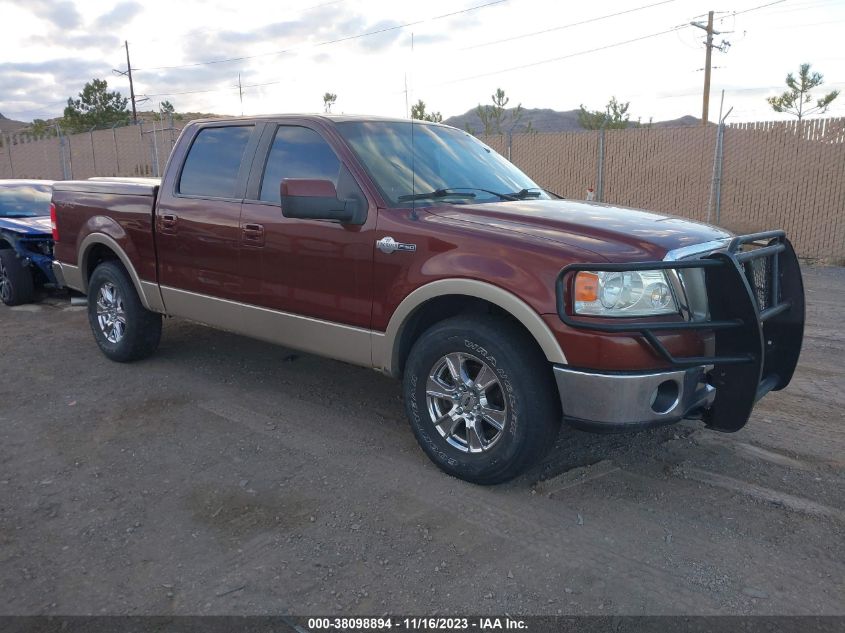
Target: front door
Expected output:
[318,269]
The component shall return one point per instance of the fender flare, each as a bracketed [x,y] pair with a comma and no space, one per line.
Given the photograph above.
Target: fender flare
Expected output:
[148,291]
[386,346]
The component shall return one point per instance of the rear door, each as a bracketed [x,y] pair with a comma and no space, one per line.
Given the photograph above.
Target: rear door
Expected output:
[198,214]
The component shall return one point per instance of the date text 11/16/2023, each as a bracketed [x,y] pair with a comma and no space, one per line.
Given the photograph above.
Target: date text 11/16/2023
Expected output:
[417,623]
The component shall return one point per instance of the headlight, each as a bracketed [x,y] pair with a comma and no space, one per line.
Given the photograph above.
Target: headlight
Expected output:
[624,294]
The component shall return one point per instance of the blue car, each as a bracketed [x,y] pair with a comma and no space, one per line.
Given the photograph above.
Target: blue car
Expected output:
[26,239]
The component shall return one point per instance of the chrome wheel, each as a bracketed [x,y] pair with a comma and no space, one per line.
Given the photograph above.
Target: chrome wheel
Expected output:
[110,314]
[466,402]
[5,284]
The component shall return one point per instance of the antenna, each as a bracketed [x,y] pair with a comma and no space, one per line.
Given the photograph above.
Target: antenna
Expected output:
[407,111]
[413,152]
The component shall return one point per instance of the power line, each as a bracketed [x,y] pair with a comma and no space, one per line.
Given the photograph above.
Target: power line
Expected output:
[762,6]
[562,57]
[504,70]
[588,51]
[792,8]
[186,92]
[567,26]
[327,42]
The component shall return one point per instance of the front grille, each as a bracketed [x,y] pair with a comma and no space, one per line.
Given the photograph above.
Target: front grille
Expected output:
[759,275]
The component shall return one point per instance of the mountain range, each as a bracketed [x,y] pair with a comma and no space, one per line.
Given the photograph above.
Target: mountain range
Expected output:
[541,120]
[547,120]
[8,126]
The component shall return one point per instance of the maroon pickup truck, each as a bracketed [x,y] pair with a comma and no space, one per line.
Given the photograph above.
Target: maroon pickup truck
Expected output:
[415,249]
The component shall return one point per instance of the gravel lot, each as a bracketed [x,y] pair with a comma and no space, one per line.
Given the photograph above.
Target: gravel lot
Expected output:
[225,475]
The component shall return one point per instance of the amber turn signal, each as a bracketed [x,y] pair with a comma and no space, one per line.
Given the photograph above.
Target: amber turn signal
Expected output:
[586,287]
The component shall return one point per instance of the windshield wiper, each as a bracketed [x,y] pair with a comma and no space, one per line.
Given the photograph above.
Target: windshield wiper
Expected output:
[525,193]
[455,192]
[534,192]
[501,196]
[436,194]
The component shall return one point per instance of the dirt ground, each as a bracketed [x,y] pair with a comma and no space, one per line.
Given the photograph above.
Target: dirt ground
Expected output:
[228,476]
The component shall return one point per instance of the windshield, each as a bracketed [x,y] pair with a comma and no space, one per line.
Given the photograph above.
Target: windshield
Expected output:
[24,200]
[446,161]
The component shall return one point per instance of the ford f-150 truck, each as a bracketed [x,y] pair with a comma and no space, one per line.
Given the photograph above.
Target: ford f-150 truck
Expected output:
[415,249]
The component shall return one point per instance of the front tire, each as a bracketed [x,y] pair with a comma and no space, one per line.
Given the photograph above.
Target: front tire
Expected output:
[123,328]
[481,398]
[16,283]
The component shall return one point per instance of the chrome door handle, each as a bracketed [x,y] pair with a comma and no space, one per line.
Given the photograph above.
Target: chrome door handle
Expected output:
[388,245]
[253,234]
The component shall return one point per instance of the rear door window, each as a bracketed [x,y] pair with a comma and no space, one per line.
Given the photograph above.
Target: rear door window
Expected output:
[213,162]
[297,152]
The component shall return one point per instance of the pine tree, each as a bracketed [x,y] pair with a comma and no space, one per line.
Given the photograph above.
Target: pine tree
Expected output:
[797,96]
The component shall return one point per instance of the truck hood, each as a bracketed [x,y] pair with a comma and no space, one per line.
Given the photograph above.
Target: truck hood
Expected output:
[611,232]
[38,225]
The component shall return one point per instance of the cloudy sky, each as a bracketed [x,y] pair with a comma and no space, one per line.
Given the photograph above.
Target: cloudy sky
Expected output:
[543,53]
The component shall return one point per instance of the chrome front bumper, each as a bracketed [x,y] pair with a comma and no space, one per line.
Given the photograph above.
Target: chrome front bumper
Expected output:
[626,400]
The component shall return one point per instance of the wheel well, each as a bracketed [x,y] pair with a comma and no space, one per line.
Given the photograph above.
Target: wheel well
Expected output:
[96,255]
[4,244]
[442,308]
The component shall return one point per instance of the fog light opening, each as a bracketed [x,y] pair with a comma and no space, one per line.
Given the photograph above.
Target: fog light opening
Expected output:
[665,397]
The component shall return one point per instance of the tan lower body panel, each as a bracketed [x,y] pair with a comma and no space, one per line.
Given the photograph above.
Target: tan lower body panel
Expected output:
[69,276]
[324,338]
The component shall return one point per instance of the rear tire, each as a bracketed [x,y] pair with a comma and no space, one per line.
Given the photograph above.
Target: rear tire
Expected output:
[123,328]
[481,398]
[16,283]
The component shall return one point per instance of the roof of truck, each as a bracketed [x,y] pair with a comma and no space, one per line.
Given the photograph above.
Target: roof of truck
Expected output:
[334,118]
[24,182]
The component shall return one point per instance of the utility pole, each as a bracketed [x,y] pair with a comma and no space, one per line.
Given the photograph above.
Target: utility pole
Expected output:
[132,86]
[708,55]
[128,73]
[241,93]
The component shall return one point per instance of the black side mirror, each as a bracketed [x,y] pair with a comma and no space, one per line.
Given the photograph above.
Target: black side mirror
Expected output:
[317,200]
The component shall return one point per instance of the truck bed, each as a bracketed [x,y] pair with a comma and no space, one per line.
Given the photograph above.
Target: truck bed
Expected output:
[111,185]
[121,209]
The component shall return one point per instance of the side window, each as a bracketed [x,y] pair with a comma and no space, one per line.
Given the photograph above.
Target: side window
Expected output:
[297,152]
[211,168]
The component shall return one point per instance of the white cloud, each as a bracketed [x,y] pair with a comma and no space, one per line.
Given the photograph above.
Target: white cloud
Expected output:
[119,15]
[658,75]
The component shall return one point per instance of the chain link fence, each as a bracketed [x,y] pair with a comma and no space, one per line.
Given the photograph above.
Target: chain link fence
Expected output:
[745,177]
[130,150]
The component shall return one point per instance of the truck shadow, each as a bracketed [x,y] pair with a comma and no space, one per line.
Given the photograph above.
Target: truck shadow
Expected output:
[373,401]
